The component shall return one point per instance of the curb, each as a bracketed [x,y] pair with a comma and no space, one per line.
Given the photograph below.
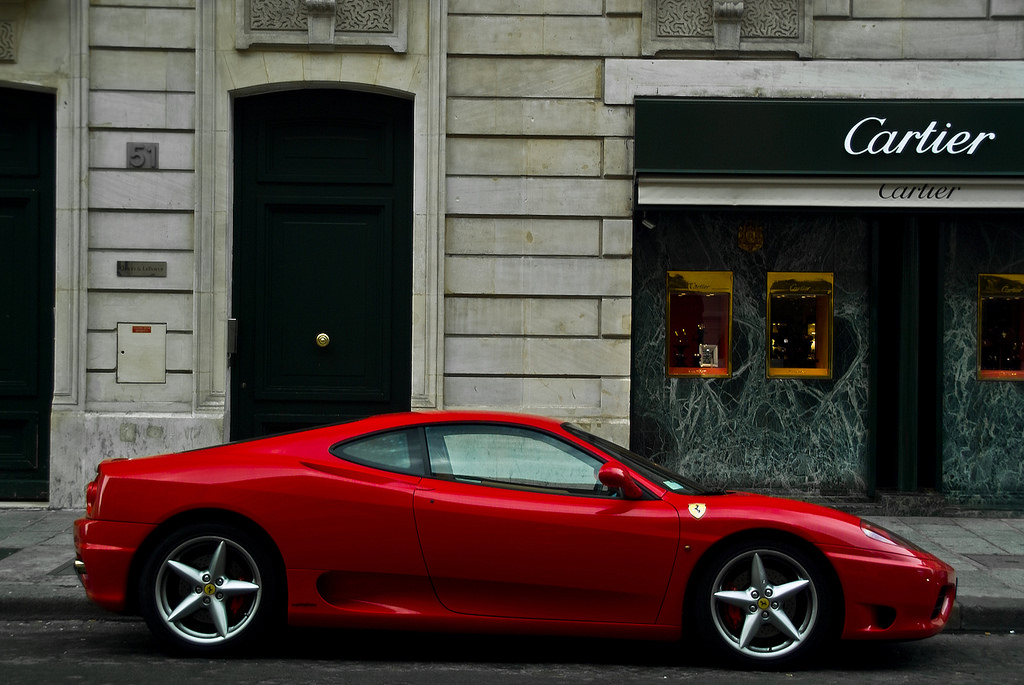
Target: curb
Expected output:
[24,602]
[987,615]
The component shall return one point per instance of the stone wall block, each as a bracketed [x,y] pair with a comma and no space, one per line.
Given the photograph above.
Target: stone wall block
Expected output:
[536,357]
[527,77]
[919,9]
[832,8]
[547,117]
[523,157]
[484,392]
[572,396]
[974,40]
[616,317]
[523,236]
[533,7]
[623,7]
[141,230]
[107,309]
[857,40]
[615,398]
[522,317]
[1007,8]
[553,36]
[136,27]
[155,190]
[617,237]
[590,357]
[178,4]
[534,276]
[618,157]
[135,70]
[174,394]
[539,196]
[175,111]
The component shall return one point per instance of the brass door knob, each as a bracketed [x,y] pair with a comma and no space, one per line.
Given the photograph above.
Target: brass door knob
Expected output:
[323,340]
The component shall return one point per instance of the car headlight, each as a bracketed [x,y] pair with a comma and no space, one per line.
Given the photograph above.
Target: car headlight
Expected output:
[880,534]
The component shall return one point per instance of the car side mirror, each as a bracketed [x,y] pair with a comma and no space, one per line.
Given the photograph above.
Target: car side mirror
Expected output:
[615,476]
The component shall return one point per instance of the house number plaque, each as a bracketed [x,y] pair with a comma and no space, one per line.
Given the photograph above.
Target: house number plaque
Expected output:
[143,156]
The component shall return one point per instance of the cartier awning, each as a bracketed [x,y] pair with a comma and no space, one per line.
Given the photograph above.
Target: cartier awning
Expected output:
[934,153]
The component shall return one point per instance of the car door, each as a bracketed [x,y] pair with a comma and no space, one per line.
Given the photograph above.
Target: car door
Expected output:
[514,523]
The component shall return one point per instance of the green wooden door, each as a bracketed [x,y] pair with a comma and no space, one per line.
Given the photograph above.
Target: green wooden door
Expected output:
[322,275]
[27,131]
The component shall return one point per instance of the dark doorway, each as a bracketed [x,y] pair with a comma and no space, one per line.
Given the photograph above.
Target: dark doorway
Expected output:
[27,211]
[322,270]
[906,359]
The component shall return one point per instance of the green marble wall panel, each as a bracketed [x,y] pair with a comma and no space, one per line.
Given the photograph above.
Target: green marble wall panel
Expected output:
[787,436]
[983,421]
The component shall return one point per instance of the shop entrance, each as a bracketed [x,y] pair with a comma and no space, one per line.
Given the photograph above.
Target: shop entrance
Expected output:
[906,353]
[322,268]
[27,132]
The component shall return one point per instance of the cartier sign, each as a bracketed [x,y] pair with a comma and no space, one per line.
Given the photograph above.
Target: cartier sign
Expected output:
[871,136]
[919,138]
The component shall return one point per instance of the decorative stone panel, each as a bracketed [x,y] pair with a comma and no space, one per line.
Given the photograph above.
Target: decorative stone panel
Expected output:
[755,27]
[322,24]
[8,52]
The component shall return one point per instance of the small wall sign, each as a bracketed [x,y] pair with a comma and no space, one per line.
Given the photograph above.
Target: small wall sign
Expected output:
[127,269]
[143,156]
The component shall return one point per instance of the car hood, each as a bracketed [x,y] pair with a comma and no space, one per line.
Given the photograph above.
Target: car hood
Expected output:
[714,516]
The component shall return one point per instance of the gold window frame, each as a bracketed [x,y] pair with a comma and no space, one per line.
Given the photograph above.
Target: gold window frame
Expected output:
[809,352]
[1001,332]
[704,349]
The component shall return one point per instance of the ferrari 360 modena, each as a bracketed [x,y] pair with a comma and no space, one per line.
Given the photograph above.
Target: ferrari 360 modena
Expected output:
[484,522]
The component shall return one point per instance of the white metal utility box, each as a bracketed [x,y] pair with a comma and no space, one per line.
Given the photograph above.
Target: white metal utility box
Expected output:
[141,352]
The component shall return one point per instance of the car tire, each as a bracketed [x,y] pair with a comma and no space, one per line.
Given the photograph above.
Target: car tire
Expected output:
[209,588]
[764,604]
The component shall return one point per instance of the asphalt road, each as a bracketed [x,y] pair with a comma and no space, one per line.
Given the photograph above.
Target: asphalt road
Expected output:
[122,651]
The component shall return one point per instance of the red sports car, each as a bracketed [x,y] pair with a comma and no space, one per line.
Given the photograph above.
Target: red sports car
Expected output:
[475,522]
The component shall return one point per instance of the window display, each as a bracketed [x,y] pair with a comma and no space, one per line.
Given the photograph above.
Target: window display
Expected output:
[1001,327]
[699,323]
[799,325]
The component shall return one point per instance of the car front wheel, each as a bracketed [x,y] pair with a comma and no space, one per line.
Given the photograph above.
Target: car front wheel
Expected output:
[208,588]
[764,604]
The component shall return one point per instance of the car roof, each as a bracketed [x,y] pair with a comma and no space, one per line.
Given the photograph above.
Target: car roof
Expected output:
[413,418]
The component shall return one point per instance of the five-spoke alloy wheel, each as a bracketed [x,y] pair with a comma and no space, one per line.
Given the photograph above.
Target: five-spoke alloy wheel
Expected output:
[208,588]
[764,604]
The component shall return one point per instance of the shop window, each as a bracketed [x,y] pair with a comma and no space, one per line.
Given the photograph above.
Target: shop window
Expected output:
[799,325]
[699,323]
[1001,326]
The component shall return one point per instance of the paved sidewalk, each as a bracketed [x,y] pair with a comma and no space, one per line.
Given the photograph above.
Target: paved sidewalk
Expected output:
[37,580]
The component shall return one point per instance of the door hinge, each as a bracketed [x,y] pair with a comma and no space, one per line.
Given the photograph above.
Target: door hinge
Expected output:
[232,337]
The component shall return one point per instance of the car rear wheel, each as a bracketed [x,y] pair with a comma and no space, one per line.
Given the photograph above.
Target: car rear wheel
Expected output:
[208,588]
[764,604]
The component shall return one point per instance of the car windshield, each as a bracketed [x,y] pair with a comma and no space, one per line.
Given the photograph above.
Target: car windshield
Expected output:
[664,477]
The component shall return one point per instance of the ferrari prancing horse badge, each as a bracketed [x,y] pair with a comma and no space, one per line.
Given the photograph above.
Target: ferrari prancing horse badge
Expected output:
[697,509]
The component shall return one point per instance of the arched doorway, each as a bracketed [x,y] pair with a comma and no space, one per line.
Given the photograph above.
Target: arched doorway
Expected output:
[322,265]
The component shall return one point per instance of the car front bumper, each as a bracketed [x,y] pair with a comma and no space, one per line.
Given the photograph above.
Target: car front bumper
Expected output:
[893,596]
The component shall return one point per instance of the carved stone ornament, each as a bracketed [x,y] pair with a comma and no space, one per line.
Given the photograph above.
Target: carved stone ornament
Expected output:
[757,27]
[8,51]
[322,24]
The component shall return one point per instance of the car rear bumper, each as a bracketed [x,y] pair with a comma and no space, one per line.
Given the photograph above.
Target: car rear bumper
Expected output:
[893,596]
[104,551]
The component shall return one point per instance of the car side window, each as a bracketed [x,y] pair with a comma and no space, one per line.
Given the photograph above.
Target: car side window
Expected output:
[505,456]
[399,451]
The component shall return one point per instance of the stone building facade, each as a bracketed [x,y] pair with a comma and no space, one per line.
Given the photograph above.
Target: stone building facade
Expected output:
[186,132]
